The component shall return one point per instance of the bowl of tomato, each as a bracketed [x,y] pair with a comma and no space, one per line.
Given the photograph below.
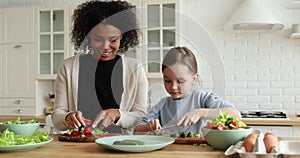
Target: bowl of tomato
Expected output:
[224,131]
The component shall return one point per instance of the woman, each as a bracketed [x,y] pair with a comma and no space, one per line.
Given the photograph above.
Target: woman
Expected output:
[103,85]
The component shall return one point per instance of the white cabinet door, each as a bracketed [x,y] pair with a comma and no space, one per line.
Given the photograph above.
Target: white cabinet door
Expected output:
[1,109]
[1,73]
[1,27]
[19,69]
[18,25]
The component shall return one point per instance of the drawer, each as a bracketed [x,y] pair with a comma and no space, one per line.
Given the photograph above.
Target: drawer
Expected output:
[281,131]
[18,111]
[23,102]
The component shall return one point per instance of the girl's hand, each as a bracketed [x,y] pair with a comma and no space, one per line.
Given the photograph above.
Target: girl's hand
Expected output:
[108,117]
[189,118]
[153,125]
[74,120]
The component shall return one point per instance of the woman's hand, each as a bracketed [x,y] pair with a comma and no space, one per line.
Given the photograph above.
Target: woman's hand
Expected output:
[74,120]
[108,117]
[153,125]
[189,118]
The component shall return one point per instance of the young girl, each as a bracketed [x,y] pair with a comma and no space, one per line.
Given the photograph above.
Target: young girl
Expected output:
[185,107]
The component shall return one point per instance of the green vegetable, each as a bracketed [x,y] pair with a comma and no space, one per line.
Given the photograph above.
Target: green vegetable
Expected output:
[98,131]
[158,132]
[225,121]
[197,135]
[8,138]
[190,134]
[174,135]
[129,142]
[18,121]
[181,134]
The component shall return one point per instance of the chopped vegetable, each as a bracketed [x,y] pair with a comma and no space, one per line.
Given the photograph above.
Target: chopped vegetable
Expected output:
[158,132]
[8,138]
[173,135]
[18,121]
[129,142]
[197,135]
[225,122]
[82,131]
[181,134]
[98,131]
[190,134]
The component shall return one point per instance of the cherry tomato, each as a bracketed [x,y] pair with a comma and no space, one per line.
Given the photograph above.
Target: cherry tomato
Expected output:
[210,126]
[88,121]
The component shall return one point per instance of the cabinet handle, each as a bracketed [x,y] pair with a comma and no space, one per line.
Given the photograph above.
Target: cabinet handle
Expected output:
[18,46]
[19,102]
[19,111]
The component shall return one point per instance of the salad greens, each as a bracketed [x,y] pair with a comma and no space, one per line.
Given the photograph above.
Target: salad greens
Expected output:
[8,138]
[225,122]
[18,121]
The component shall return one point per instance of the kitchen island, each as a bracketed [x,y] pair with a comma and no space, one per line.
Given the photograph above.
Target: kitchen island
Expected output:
[59,149]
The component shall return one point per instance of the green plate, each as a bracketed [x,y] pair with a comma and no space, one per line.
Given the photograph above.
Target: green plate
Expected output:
[24,147]
[151,142]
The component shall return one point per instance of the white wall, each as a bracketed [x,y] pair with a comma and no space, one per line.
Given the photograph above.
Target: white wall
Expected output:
[262,68]
[254,70]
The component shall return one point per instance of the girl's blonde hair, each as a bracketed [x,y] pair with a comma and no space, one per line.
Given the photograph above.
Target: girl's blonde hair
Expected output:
[180,55]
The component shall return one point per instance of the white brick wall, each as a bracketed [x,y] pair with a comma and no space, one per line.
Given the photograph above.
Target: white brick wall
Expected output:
[262,68]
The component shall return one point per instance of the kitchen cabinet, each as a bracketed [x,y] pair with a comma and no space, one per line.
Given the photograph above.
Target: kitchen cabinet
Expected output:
[1,26]
[281,131]
[159,19]
[18,25]
[296,131]
[52,40]
[18,78]
[18,70]
[18,107]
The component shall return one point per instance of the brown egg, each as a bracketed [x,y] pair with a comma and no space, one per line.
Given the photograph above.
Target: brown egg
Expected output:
[249,142]
[270,140]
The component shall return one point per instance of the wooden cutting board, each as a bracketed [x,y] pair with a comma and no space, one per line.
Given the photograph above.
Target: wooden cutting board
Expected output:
[190,140]
[76,139]
[83,139]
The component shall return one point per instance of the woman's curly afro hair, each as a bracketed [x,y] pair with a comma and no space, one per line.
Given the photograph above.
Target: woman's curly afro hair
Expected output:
[120,14]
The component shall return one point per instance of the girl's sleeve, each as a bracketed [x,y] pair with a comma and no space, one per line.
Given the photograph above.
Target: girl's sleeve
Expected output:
[154,112]
[210,100]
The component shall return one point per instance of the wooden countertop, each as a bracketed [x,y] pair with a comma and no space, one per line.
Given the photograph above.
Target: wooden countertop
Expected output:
[60,149]
[292,120]
[23,118]
[71,149]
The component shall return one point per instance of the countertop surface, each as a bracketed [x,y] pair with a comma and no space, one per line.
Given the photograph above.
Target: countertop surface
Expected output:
[58,149]
[292,120]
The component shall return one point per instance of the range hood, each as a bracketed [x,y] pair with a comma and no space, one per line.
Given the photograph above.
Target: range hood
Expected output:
[253,15]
